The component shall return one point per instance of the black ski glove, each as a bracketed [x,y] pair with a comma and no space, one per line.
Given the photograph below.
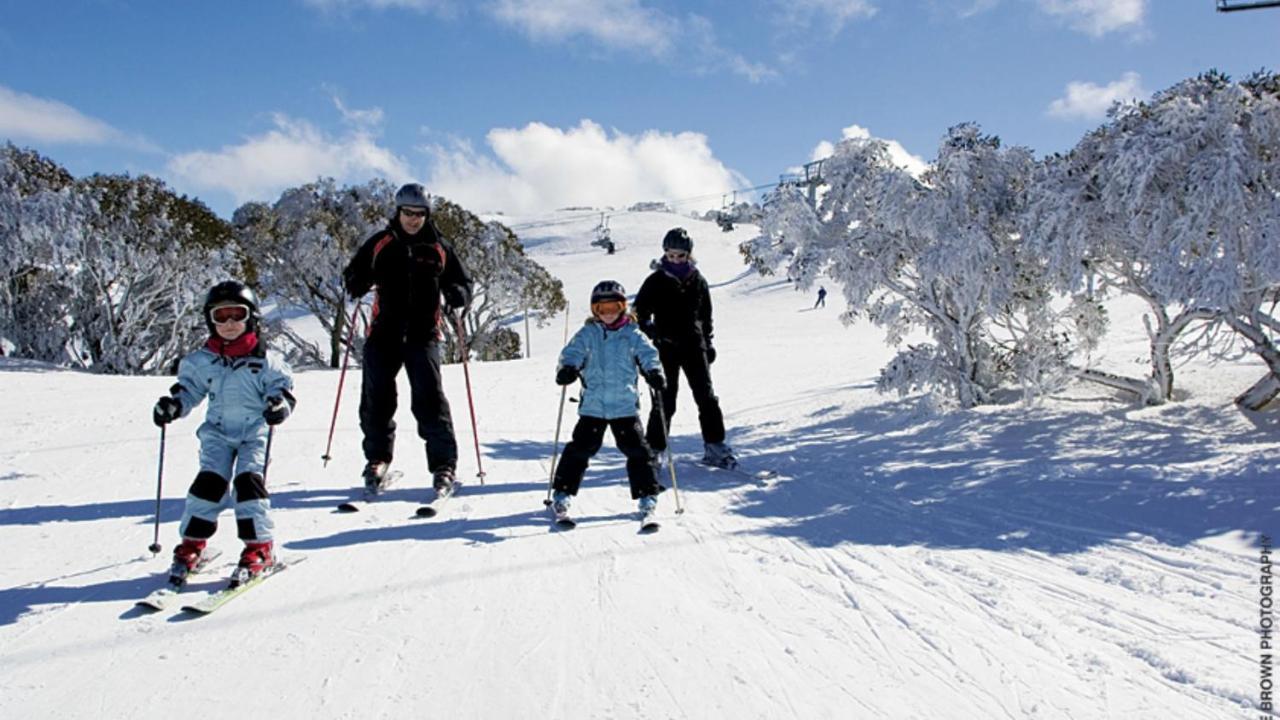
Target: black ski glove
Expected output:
[277,410]
[711,354]
[566,375]
[655,379]
[168,408]
[455,297]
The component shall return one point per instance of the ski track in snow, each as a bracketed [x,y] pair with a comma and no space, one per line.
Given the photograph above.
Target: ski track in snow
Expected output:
[1004,562]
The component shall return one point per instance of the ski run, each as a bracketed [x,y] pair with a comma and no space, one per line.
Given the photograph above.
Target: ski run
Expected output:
[1082,558]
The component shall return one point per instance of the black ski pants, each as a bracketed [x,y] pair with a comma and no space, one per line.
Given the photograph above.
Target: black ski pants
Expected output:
[693,360]
[588,435]
[421,362]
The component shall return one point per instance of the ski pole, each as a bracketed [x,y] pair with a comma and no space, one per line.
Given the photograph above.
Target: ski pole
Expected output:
[342,376]
[466,374]
[266,460]
[666,439]
[555,447]
[155,543]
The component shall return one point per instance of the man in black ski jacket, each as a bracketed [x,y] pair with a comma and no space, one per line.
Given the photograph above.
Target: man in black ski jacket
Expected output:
[673,308]
[409,268]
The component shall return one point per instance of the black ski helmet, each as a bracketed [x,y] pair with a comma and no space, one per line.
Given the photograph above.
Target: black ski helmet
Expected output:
[232,292]
[412,195]
[607,290]
[677,239]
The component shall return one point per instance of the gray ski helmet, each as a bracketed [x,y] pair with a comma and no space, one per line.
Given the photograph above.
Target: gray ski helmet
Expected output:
[606,290]
[232,291]
[677,239]
[412,195]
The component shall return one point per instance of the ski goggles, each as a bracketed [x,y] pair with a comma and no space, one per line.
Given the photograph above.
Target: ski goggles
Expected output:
[607,307]
[413,212]
[224,314]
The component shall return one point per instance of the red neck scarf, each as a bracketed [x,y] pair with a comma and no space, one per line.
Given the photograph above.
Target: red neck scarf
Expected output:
[239,347]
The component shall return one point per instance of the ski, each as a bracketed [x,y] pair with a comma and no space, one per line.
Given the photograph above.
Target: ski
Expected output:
[562,520]
[366,496]
[215,600]
[431,509]
[165,597]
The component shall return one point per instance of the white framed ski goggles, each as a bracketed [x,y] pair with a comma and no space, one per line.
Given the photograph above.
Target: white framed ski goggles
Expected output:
[223,314]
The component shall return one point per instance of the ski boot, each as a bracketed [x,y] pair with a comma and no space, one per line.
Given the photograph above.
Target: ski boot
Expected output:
[442,481]
[185,558]
[560,503]
[719,455]
[256,557]
[375,471]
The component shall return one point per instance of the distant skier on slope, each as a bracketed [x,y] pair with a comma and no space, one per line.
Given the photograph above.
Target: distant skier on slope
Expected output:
[673,308]
[822,298]
[409,267]
[605,353]
[248,390]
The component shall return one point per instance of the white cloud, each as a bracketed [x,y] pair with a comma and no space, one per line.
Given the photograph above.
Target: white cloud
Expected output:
[1087,101]
[1097,17]
[897,153]
[291,154]
[829,15]
[28,118]
[538,168]
[613,23]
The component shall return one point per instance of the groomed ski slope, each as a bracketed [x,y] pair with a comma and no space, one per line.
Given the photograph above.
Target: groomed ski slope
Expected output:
[1085,558]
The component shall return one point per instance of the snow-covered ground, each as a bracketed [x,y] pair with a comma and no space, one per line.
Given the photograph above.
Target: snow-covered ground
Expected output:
[1085,558]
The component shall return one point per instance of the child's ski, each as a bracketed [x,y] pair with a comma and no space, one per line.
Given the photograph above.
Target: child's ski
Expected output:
[433,508]
[215,600]
[364,496]
[165,597]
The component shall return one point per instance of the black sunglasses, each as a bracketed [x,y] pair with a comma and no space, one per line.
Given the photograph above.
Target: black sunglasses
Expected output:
[413,213]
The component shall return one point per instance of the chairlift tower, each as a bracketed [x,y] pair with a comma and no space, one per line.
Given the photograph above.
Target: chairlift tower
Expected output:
[1232,5]
[810,178]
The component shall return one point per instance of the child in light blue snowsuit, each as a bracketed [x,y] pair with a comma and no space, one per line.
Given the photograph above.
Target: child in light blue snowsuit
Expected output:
[605,354]
[247,390]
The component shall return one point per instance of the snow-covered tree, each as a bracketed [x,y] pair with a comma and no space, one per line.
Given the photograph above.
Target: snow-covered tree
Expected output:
[298,247]
[106,273]
[1176,201]
[940,254]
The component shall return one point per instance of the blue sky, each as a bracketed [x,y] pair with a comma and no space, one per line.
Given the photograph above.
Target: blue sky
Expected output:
[523,106]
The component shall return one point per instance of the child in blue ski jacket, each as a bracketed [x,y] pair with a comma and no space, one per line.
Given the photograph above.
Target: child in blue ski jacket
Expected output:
[605,354]
[247,390]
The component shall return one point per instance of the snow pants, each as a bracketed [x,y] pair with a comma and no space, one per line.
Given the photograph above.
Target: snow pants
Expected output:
[222,455]
[693,360]
[588,435]
[421,362]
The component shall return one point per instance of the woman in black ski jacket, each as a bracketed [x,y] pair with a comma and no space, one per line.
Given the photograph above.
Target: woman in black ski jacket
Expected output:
[409,268]
[673,308]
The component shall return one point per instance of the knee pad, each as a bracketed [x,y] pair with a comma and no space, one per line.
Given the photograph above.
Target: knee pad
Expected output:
[250,486]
